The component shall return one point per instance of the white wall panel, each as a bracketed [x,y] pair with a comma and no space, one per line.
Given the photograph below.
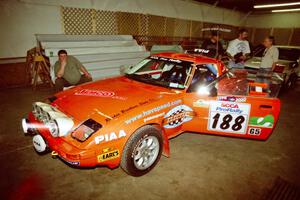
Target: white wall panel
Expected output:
[22,19]
[73,44]
[63,37]
[90,58]
[277,20]
[111,64]
[96,50]
[19,22]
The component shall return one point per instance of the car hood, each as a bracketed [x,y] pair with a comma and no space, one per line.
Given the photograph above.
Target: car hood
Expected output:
[255,62]
[109,98]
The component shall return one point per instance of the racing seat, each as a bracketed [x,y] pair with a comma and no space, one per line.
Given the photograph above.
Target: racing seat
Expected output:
[175,75]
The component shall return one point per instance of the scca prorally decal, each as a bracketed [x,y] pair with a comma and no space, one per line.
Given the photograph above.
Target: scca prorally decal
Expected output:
[177,116]
[98,93]
[232,99]
[230,117]
[153,110]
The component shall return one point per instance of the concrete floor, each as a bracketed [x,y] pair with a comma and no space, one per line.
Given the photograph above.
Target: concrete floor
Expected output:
[200,167]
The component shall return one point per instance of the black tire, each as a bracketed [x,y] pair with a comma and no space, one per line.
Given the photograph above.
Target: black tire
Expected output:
[127,161]
[291,83]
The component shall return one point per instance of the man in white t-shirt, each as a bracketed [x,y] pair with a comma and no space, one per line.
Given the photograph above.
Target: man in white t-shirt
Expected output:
[238,50]
[268,60]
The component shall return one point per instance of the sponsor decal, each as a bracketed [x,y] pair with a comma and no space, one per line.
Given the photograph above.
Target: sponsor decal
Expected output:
[216,29]
[176,85]
[232,99]
[129,108]
[99,93]
[166,59]
[110,137]
[254,131]
[266,121]
[153,110]
[177,116]
[201,103]
[229,107]
[201,50]
[228,117]
[108,155]
[154,117]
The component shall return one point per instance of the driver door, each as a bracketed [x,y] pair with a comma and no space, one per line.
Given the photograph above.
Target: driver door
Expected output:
[200,100]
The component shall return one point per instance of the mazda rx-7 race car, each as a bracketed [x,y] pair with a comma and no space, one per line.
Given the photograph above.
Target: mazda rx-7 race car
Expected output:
[128,120]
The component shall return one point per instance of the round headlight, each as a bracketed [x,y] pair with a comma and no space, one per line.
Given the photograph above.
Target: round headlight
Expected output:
[39,112]
[34,108]
[53,128]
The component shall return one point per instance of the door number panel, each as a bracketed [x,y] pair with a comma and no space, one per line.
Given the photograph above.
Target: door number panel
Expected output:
[228,117]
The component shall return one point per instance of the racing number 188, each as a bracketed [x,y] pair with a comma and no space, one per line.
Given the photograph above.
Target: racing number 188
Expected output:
[226,122]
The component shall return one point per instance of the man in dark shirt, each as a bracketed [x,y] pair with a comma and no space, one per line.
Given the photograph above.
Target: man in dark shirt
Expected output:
[69,71]
[212,46]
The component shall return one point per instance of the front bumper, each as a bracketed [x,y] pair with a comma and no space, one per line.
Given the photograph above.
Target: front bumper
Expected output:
[67,152]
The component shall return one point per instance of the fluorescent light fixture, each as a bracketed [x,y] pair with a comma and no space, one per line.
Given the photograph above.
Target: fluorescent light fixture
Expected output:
[287,10]
[277,5]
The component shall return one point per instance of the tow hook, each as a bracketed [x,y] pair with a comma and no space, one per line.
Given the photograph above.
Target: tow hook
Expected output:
[54,154]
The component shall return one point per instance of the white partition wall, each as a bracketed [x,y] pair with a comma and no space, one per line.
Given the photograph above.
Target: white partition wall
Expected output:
[102,55]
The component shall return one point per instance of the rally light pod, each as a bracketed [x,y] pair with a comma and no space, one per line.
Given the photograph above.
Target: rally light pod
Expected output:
[64,125]
[63,122]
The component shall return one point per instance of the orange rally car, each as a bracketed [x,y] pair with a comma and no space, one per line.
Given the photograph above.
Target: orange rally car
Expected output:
[128,120]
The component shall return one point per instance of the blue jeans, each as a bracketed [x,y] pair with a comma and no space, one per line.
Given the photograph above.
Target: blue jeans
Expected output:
[232,64]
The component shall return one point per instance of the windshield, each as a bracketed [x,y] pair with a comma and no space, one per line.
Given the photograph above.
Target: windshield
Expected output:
[166,72]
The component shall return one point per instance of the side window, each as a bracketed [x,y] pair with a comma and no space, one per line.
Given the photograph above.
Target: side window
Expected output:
[234,83]
[204,74]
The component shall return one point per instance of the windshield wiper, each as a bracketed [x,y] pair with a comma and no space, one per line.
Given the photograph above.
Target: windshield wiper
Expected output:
[147,80]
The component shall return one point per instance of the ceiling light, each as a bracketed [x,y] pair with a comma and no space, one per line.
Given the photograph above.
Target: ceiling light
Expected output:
[287,10]
[277,5]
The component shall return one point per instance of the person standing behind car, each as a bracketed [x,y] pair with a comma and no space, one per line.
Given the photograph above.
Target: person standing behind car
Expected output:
[238,50]
[268,60]
[68,71]
[213,46]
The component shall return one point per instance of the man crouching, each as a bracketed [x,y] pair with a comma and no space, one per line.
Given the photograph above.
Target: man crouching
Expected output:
[68,71]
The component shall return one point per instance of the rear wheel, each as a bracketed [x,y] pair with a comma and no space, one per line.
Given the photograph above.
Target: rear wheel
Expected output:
[142,151]
[291,83]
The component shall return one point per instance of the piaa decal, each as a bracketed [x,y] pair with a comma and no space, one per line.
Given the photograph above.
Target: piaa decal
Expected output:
[110,137]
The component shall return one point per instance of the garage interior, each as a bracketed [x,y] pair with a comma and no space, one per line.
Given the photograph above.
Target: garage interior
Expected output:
[108,36]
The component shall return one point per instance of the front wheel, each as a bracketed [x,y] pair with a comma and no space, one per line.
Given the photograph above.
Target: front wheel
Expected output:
[142,151]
